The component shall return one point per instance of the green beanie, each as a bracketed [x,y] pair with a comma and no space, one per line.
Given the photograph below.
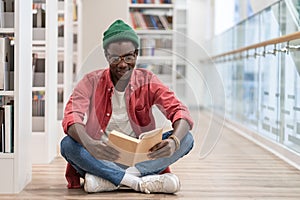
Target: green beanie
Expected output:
[120,31]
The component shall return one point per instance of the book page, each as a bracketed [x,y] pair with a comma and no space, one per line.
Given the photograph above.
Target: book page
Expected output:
[125,144]
[134,150]
[126,157]
[148,140]
[123,141]
[150,133]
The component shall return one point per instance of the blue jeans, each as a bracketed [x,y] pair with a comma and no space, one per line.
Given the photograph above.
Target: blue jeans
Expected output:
[84,162]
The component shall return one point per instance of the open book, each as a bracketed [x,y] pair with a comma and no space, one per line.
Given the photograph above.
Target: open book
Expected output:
[133,150]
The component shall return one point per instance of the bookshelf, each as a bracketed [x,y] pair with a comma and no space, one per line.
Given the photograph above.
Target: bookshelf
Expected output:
[15,165]
[44,84]
[76,32]
[60,59]
[70,59]
[163,47]
[181,24]
[154,23]
[67,55]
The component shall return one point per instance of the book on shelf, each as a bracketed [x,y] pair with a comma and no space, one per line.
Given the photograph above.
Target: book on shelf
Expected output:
[7,128]
[75,11]
[61,30]
[60,95]
[2,147]
[39,15]
[155,46]
[151,1]
[134,150]
[150,22]
[11,72]
[165,22]
[60,72]
[38,71]
[38,103]
[4,63]
[146,21]
[2,9]
[6,13]
[9,5]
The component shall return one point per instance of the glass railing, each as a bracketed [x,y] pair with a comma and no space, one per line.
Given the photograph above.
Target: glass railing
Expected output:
[262,85]
[295,8]
[279,19]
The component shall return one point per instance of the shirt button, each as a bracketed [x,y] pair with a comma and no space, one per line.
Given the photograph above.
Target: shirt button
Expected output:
[107,114]
[108,89]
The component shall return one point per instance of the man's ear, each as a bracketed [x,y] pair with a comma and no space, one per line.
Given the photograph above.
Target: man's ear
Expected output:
[106,54]
[136,52]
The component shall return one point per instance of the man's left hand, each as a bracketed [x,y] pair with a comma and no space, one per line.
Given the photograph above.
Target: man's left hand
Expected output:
[165,148]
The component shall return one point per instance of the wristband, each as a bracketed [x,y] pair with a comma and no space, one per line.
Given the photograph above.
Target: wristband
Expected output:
[176,140]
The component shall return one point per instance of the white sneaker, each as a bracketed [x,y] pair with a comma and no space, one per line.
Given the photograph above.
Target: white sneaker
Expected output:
[97,184]
[165,183]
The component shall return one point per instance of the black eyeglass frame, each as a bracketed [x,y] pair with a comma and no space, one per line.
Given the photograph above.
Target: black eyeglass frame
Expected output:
[128,58]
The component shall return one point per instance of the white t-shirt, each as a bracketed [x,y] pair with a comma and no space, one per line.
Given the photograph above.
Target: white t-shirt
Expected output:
[119,119]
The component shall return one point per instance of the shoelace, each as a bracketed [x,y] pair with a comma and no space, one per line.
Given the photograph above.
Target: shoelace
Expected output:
[155,186]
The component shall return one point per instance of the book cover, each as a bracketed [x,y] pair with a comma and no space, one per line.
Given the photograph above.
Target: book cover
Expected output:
[1,129]
[39,73]
[134,150]
[2,14]
[164,22]
[9,6]
[11,67]
[159,24]
[8,128]
[148,21]
[12,133]
[39,16]
[154,24]
[4,63]
[141,21]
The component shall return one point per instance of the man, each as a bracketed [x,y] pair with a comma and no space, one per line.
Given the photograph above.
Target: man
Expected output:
[120,97]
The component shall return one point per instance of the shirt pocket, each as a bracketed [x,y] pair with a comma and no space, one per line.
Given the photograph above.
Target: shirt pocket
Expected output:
[142,114]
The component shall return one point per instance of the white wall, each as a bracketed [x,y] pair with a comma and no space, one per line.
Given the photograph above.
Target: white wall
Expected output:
[95,17]
[224,16]
[199,20]
[199,30]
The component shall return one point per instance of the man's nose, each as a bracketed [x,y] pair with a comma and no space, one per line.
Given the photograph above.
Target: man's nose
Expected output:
[122,63]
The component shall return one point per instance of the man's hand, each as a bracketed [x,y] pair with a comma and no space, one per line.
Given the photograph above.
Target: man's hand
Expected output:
[102,151]
[98,149]
[165,148]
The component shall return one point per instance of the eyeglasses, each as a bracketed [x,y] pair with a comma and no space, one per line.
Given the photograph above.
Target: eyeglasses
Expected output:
[129,58]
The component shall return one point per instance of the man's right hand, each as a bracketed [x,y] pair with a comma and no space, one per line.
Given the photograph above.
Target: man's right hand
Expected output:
[96,148]
[102,151]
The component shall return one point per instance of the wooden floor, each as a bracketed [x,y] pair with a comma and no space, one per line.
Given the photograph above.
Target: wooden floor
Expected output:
[236,169]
